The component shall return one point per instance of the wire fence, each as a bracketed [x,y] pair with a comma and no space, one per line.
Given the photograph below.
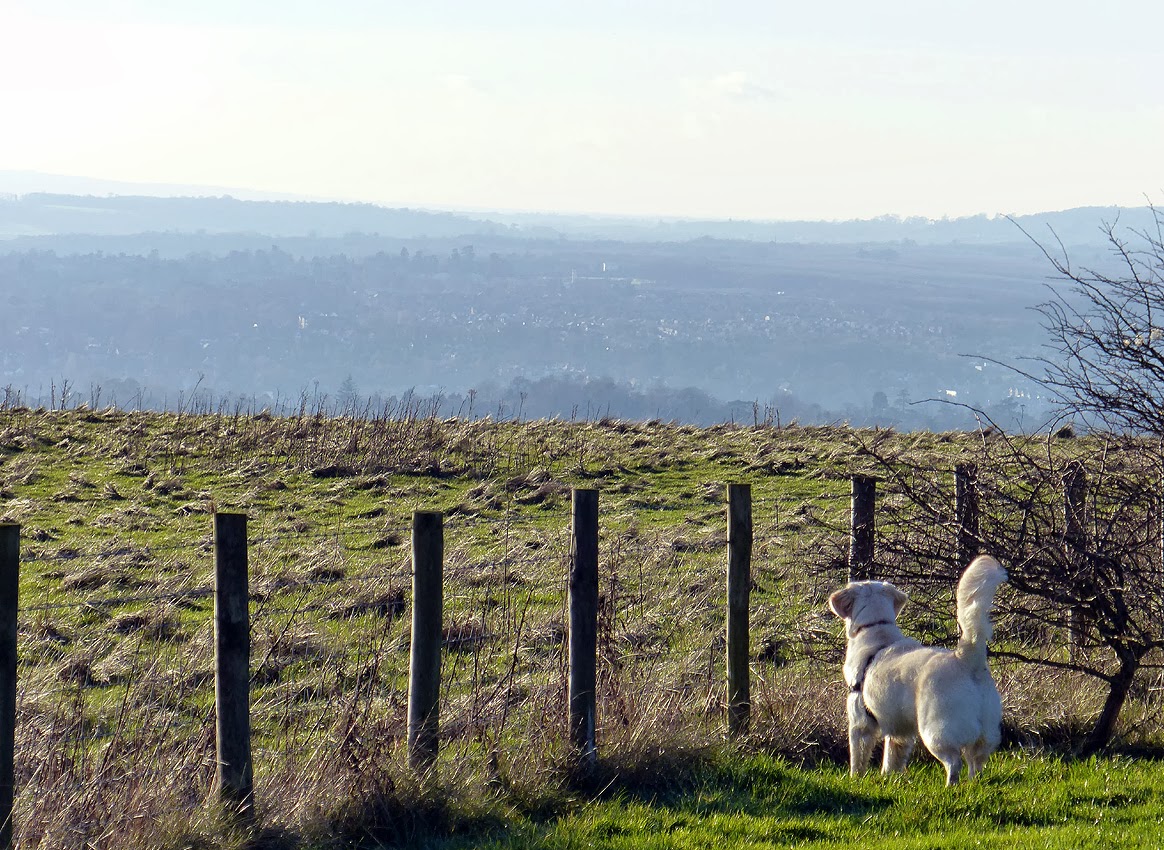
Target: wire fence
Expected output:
[311,591]
[117,653]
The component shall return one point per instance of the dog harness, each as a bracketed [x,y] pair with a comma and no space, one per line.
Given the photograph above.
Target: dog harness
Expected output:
[858,686]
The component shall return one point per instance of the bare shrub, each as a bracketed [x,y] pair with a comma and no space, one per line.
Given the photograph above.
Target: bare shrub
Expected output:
[1084,569]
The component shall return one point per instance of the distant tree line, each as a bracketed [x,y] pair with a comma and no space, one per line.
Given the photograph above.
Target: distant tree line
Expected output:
[523,399]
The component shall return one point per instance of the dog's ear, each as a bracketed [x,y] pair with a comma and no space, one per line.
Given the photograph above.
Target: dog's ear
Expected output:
[842,603]
[899,600]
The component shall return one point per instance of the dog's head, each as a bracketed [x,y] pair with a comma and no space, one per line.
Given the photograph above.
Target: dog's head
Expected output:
[864,603]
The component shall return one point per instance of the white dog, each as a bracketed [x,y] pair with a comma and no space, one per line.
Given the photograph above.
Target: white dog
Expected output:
[900,690]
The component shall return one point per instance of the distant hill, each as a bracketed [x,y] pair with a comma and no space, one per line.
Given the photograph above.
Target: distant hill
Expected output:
[117,209]
[1079,226]
[42,214]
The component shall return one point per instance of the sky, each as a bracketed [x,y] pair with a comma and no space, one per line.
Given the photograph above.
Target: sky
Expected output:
[747,109]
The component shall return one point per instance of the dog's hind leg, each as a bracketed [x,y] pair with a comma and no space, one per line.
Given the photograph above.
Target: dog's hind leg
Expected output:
[897,753]
[976,755]
[974,762]
[951,759]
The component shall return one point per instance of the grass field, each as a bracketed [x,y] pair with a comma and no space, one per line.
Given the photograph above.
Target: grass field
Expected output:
[1022,801]
[115,712]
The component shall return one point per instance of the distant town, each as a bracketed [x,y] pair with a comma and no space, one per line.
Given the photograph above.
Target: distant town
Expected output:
[896,332]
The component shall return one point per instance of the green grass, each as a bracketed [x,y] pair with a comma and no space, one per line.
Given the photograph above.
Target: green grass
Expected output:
[1021,801]
[115,745]
[757,801]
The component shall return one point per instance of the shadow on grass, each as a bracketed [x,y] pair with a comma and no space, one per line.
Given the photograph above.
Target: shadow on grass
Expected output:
[757,786]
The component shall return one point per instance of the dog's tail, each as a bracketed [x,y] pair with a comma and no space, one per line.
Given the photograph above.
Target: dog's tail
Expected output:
[975,597]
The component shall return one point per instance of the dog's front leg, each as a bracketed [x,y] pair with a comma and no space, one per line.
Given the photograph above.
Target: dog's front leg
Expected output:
[862,735]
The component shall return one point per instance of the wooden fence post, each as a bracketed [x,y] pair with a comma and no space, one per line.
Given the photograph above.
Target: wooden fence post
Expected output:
[739,589]
[861,528]
[9,604]
[424,665]
[1075,544]
[966,512]
[583,604]
[232,643]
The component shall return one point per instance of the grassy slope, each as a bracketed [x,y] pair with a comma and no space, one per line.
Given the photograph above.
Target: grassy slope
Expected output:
[115,677]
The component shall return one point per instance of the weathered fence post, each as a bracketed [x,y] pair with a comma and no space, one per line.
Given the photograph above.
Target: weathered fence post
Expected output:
[861,528]
[232,644]
[424,665]
[9,603]
[966,512]
[1075,544]
[739,589]
[583,604]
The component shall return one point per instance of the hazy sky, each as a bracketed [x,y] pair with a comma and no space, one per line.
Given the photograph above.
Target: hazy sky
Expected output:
[735,108]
